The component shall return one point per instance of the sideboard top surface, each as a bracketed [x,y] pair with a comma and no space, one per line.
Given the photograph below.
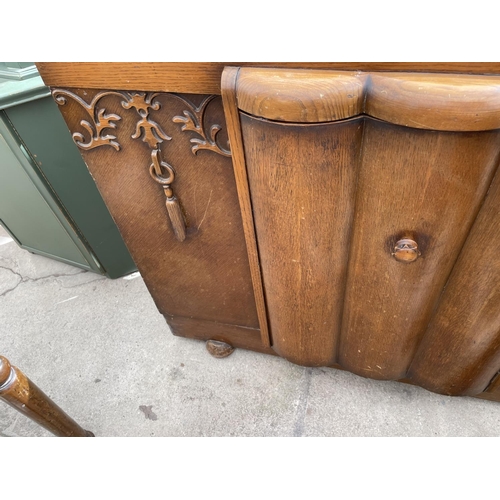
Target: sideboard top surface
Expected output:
[205,77]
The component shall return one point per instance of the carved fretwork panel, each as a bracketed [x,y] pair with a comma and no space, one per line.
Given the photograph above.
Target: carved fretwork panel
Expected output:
[146,151]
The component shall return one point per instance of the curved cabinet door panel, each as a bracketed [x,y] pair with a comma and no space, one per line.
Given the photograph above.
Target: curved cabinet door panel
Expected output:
[419,185]
[302,182]
[460,352]
[364,188]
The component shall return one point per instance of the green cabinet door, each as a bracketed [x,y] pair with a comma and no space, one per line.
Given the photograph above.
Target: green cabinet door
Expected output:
[29,213]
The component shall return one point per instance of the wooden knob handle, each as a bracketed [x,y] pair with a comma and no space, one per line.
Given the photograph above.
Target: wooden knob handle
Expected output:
[406,250]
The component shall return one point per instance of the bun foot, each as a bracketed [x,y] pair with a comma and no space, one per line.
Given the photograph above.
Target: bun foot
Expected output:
[219,349]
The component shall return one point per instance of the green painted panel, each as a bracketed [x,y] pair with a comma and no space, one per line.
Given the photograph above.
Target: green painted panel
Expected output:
[48,140]
[26,212]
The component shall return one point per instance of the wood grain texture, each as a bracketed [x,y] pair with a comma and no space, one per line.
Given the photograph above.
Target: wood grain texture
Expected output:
[301,96]
[207,275]
[435,102]
[21,393]
[422,185]
[460,352]
[302,182]
[238,155]
[205,78]
[237,336]
[426,101]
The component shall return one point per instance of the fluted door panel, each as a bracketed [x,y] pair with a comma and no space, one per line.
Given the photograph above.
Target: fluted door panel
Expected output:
[302,182]
[375,232]
[417,185]
[460,352]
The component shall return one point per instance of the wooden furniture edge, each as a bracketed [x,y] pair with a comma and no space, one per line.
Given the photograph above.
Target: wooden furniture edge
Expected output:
[205,77]
[228,82]
[441,102]
[234,335]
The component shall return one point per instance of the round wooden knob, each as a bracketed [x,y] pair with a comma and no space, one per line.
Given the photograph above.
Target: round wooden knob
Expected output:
[406,250]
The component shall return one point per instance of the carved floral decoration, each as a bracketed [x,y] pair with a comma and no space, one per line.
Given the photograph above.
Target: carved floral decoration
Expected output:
[100,120]
[100,125]
[146,128]
[193,121]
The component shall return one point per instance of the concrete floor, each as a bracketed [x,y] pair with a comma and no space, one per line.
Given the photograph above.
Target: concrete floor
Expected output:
[102,351]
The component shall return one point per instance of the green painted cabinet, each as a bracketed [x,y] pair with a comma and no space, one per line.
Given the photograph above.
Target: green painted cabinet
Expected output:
[48,201]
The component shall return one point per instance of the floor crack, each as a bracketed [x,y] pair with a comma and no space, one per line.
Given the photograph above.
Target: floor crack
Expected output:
[12,271]
[4,293]
[56,275]
[27,279]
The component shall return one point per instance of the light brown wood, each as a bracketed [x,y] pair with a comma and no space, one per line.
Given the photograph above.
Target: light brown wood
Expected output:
[21,393]
[301,96]
[460,352]
[414,184]
[303,181]
[234,131]
[427,101]
[205,78]
[435,102]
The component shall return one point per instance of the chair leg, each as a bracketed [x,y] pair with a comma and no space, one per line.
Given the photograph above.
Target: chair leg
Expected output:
[21,393]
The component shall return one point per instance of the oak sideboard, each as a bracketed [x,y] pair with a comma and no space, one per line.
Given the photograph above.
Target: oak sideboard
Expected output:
[334,214]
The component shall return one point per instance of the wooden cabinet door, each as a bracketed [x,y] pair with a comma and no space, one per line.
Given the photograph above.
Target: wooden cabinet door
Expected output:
[163,166]
[374,207]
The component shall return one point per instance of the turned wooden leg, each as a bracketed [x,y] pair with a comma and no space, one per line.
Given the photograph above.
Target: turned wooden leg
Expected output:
[219,349]
[21,393]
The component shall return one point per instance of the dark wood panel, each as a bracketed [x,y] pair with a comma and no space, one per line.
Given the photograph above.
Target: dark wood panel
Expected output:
[207,275]
[302,183]
[236,336]
[414,184]
[205,77]
[460,352]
